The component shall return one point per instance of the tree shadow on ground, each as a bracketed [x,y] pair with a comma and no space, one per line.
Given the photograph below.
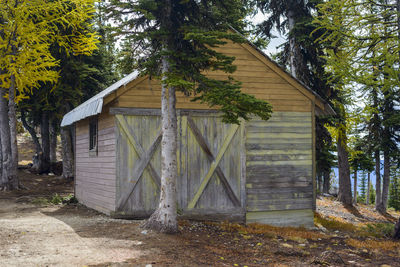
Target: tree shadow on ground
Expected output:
[160,249]
[353,210]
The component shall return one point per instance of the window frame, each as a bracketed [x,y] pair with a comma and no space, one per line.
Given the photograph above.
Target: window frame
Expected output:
[93,136]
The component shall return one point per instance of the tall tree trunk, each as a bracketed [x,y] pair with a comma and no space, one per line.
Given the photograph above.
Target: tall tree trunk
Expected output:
[327,182]
[67,153]
[319,179]
[397,230]
[164,219]
[292,43]
[344,173]
[44,158]
[53,140]
[378,194]
[386,182]
[6,182]
[12,116]
[355,188]
[368,189]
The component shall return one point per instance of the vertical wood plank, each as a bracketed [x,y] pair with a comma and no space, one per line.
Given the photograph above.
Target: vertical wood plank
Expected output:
[242,182]
[314,165]
[183,151]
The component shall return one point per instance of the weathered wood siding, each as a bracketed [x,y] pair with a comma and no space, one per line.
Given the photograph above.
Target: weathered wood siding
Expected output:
[210,165]
[258,79]
[95,184]
[279,169]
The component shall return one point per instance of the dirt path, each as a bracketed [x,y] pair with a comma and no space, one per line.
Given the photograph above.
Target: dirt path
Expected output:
[33,236]
[72,235]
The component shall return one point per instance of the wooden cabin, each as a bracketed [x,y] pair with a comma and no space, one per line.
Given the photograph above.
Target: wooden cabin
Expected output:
[260,171]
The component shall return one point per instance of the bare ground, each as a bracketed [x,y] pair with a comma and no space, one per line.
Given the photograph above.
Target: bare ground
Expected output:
[72,235]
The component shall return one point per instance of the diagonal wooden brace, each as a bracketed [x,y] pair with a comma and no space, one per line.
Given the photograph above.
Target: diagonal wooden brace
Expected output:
[144,162]
[214,164]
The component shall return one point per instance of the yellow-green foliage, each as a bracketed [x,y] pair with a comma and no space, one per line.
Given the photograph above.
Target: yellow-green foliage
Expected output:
[291,233]
[334,224]
[29,27]
[379,230]
[374,244]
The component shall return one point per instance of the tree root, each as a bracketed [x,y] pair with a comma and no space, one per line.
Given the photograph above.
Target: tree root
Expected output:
[160,223]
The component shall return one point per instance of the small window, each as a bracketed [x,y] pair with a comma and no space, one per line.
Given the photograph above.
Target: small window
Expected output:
[93,134]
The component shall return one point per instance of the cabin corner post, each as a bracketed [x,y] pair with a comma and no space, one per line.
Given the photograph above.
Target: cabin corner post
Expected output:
[74,152]
[117,164]
[243,173]
[314,163]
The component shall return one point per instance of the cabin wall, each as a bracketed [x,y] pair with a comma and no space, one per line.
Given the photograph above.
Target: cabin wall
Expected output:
[210,182]
[257,79]
[95,184]
[279,169]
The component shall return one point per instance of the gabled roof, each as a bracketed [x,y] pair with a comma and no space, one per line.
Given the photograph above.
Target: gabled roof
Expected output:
[94,105]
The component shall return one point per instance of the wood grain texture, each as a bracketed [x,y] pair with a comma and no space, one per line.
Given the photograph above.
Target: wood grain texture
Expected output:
[209,168]
[95,184]
[279,164]
[258,78]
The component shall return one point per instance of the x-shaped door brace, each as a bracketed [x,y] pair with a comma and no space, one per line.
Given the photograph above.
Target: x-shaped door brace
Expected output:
[214,164]
[144,159]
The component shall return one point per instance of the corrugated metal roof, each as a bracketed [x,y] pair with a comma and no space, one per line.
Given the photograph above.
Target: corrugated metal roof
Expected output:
[94,105]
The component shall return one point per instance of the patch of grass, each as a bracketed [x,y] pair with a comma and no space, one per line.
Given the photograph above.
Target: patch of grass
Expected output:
[41,201]
[379,229]
[334,224]
[56,199]
[291,233]
[374,244]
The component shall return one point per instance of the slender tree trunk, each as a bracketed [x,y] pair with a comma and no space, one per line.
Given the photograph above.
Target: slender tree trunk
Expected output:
[53,141]
[67,153]
[398,22]
[386,182]
[164,219]
[319,182]
[327,182]
[355,188]
[344,173]
[292,44]
[369,188]
[6,182]
[378,194]
[397,230]
[32,132]
[12,116]
[44,158]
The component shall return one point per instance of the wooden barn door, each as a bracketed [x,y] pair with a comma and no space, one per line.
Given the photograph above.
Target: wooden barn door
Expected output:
[212,164]
[138,163]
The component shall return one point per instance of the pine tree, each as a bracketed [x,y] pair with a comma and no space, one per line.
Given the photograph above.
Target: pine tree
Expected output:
[176,40]
[394,192]
[372,194]
[363,187]
[370,59]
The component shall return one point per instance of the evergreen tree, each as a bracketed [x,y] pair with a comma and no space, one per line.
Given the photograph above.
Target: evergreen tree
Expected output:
[372,194]
[363,187]
[370,58]
[175,41]
[394,192]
